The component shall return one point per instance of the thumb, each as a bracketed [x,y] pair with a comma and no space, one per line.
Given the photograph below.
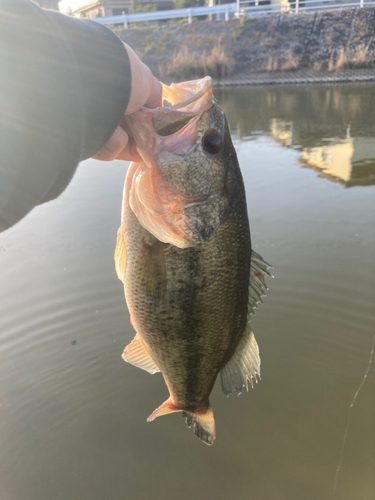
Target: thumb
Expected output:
[114,146]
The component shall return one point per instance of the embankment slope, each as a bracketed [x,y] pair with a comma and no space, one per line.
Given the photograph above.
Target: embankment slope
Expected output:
[269,47]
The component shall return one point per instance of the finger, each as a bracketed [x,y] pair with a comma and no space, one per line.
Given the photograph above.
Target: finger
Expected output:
[142,81]
[155,97]
[114,146]
[126,127]
[146,90]
[130,152]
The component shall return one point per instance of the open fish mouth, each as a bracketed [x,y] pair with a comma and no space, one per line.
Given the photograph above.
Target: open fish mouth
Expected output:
[188,103]
[173,126]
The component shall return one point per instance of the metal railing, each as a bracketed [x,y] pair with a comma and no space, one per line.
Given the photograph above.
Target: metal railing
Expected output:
[246,8]
[251,8]
[126,19]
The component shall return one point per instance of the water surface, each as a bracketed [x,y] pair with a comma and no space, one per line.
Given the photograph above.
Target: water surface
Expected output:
[73,414]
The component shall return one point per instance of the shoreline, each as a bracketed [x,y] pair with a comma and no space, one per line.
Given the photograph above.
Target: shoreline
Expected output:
[298,77]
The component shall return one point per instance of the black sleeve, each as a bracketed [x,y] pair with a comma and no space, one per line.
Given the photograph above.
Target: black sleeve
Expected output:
[64,88]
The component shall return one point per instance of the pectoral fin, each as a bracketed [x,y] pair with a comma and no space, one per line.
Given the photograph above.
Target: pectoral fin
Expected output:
[120,255]
[136,354]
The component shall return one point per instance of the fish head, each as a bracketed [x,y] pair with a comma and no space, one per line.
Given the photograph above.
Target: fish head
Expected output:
[182,194]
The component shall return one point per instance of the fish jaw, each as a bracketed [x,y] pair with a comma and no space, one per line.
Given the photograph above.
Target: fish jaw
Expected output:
[187,96]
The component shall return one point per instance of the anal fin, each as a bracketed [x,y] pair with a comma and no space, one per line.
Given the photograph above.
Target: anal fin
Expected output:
[164,409]
[243,367]
[136,354]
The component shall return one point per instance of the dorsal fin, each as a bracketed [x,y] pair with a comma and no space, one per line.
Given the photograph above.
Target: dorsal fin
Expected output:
[257,286]
[136,354]
[243,367]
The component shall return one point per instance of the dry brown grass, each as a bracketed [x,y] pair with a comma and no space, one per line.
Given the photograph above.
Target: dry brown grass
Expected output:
[360,57]
[271,64]
[341,62]
[188,64]
[328,41]
[318,65]
[344,58]
[357,59]
[331,62]
[361,27]
[288,62]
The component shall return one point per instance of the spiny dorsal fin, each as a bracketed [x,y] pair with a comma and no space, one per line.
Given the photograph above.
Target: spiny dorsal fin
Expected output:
[257,286]
[120,255]
[243,367]
[136,354]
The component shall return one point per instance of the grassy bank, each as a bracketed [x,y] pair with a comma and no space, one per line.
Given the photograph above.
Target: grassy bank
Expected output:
[323,41]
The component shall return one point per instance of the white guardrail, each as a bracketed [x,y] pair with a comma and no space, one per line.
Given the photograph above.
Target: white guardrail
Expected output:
[237,9]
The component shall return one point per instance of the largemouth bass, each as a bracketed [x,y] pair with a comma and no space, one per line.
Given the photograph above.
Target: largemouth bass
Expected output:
[184,255]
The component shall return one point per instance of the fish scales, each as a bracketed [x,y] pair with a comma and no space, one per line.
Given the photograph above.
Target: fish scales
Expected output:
[190,305]
[186,273]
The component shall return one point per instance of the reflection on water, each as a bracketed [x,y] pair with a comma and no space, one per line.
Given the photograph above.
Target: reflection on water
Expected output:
[282,132]
[350,161]
[344,154]
[73,414]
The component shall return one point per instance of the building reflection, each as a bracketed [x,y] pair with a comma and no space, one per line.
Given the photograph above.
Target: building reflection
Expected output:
[282,132]
[350,161]
[334,159]
[313,121]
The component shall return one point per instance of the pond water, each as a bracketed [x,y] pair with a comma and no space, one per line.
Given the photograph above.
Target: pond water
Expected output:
[73,414]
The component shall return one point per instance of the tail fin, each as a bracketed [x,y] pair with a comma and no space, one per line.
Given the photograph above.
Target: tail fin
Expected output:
[203,422]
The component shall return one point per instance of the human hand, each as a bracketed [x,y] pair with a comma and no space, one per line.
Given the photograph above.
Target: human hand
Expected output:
[146,91]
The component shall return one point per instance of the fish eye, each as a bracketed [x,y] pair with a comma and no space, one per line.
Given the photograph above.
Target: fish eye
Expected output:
[212,143]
